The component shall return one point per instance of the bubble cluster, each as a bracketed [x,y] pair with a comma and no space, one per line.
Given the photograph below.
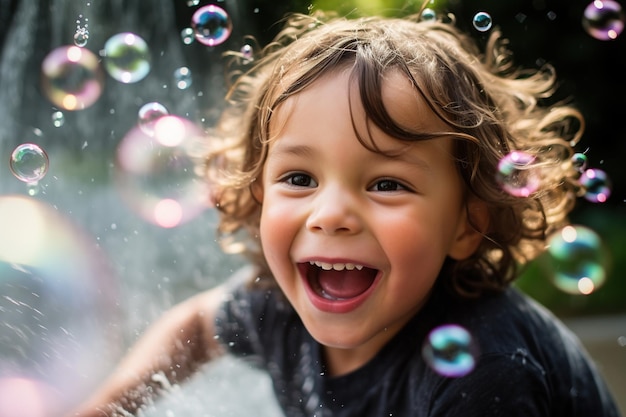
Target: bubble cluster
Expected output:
[517,174]
[127,57]
[576,260]
[212,25]
[71,77]
[482,21]
[58,119]
[29,163]
[597,185]
[187,36]
[156,175]
[603,19]
[450,351]
[57,298]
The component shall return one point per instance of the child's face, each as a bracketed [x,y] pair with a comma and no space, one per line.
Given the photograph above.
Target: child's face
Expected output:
[329,203]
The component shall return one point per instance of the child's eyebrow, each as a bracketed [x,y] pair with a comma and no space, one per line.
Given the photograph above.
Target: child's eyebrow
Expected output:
[296,150]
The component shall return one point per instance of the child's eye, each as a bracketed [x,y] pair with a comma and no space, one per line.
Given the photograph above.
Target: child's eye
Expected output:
[388,186]
[299,179]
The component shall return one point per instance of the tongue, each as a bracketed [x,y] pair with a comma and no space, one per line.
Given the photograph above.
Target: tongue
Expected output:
[347,283]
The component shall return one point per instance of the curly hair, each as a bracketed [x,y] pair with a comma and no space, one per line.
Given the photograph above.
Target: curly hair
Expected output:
[491,107]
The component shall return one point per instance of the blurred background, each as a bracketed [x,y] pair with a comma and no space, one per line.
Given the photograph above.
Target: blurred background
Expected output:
[100,234]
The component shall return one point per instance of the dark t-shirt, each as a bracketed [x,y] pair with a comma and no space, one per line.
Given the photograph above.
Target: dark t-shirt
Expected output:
[529,363]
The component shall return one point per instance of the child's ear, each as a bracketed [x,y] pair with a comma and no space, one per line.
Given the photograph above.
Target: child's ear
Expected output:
[256,189]
[471,230]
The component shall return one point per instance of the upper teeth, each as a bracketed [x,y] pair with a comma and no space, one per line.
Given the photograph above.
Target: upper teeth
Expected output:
[337,267]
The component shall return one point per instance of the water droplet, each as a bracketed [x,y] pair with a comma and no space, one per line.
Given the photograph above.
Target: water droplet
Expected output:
[29,163]
[596,184]
[450,351]
[71,77]
[517,174]
[127,57]
[211,25]
[482,21]
[603,19]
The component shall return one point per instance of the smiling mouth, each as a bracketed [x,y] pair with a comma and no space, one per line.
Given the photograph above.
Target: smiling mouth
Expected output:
[338,281]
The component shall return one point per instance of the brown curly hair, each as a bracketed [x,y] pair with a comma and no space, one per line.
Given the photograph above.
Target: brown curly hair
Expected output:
[491,107]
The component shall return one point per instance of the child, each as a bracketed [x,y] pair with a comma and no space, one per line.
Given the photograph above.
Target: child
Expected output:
[361,157]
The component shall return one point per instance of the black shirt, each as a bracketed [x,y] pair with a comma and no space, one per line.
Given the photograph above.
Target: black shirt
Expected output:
[529,363]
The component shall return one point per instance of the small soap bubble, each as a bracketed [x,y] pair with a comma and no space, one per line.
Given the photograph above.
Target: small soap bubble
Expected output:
[156,173]
[148,114]
[517,174]
[29,163]
[211,25]
[579,161]
[183,78]
[482,21]
[127,57]
[58,305]
[603,19]
[428,15]
[187,35]
[58,119]
[247,52]
[450,351]
[597,185]
[193,3]
[575,260]
[81,36]
[71,77]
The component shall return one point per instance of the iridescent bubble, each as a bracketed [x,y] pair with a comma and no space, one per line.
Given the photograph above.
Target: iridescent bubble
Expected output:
[187,35]
[58,304]
[579,161]
[29,163]
[58,119]
[211,25]
[127,57]
[576,260]
[517,174]
[428,15]
[149,113]
[72,78]
[603,19]
[597,185]
[247,52]
[482,21]
[183,78]
[156,173]
[450,351]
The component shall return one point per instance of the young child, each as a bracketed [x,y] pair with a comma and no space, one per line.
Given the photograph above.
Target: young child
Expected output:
[361,158]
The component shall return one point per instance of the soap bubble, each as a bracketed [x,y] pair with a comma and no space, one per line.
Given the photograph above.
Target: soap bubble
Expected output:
[71,77]
[603,19]
[482,21]
[29,163]
[187,36]
[575,260]
[183,78]
[517,174]
[156,172]
[81,36]
[58,119]
[57,298]
[597,185]
[247,52]
[148,114]
[450,351]
[211,24]
[579,161]
[428,15]
[127,57]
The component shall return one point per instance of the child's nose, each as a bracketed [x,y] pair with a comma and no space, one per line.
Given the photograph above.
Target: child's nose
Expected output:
[335,211]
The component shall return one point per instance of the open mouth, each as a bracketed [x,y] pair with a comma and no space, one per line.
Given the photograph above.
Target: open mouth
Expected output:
[338,281]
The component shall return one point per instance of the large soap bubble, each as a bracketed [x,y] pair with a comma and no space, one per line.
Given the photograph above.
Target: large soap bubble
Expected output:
[57,303]
[127,57]
[156,171]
